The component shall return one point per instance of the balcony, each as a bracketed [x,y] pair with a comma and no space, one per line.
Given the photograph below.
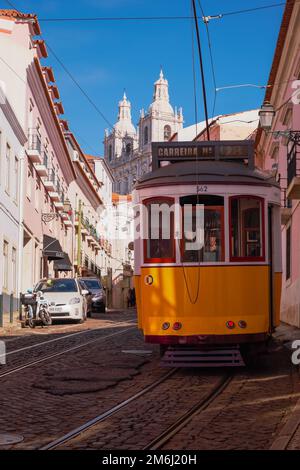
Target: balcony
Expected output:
[34,150]
[293,190]
[286,207]
[49,181]
[42,168]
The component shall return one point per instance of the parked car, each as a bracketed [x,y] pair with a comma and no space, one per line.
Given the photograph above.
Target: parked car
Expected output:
[67,298]
[96,299]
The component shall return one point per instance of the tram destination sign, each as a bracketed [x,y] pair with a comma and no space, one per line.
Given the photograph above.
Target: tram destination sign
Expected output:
[172,152]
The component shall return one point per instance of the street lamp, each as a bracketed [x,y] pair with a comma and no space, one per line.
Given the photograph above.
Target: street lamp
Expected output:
[266,117]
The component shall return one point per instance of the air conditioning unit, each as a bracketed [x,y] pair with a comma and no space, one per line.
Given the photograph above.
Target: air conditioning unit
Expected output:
[75,156]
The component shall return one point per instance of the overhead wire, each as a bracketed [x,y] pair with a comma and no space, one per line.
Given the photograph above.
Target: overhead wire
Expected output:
[211,60]
[159,18]
[71,76]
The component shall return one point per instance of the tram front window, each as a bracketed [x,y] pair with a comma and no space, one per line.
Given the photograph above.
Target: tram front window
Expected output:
[246,228]
[160,245]
[203,229]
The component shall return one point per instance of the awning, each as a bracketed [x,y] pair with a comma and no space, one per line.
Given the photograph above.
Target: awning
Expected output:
[52,248]
[63,264]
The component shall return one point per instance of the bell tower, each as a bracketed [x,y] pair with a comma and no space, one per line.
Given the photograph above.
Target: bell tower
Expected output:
[161,121]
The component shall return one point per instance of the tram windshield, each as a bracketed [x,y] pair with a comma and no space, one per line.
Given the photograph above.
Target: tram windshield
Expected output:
[203,228]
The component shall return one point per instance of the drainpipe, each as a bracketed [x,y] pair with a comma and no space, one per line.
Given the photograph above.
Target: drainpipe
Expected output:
[21,216]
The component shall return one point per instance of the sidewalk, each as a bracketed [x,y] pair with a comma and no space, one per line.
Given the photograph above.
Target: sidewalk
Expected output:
[10,329]
[289,437]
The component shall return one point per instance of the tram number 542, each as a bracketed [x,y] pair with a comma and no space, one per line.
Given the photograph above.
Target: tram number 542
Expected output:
[202,189]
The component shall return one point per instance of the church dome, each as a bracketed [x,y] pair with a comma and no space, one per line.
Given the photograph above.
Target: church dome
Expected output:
[124,124]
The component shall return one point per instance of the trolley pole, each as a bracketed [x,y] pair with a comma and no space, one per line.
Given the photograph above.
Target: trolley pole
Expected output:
[79,238]
[201,68]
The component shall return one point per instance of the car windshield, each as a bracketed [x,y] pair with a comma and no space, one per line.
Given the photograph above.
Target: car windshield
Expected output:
[57,285]
[92,284]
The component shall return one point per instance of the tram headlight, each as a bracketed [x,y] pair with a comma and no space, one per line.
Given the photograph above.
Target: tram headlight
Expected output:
[177,326]
[242,324]
[230,324]
[166,326]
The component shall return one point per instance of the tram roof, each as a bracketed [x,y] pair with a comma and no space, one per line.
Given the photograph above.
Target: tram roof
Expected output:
[209,172]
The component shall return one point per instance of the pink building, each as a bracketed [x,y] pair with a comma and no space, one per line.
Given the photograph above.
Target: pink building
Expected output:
[52,180]
[281,155]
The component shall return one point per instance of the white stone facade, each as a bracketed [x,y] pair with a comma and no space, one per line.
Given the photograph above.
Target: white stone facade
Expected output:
[127,150]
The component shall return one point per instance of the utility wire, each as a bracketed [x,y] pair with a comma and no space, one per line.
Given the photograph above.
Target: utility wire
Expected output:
[194,80]
[211,60]
[71,76]
[201,68]
[159,18]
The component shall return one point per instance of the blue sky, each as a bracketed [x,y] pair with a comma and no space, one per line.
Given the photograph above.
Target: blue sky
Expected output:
[106,57]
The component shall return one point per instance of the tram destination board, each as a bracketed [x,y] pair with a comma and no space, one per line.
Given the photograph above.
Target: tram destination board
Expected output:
[172,152]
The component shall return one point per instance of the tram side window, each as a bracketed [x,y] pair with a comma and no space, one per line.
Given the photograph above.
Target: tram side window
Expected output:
[203,231]
[247,228]
[159,246]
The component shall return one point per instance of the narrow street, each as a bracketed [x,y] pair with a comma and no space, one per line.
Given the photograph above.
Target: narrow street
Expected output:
[94,367]
[149,232]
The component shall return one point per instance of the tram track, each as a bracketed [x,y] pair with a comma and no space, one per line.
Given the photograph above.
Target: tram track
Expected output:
[65,337]
[107,414]
[159,441]
[49,357]
[171,431]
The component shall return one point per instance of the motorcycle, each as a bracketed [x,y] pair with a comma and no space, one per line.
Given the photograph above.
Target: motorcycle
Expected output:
[36,309]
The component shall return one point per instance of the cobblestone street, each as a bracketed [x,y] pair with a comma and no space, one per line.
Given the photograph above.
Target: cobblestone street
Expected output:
[105,361]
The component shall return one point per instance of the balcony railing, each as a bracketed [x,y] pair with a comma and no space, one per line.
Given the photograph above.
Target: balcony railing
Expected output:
[34,140]
[45,159]
[51,175]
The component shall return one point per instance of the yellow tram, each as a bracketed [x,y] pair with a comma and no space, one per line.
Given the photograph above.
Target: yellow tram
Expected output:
[226,289]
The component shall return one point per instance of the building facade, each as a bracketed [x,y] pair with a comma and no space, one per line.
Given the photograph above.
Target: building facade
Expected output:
[50,197]
[281,155]
[127,151]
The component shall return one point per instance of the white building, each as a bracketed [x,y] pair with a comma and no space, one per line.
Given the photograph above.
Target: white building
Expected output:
[127,150]
[12,141]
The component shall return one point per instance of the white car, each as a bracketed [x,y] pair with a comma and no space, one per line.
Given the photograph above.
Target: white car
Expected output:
[67,300]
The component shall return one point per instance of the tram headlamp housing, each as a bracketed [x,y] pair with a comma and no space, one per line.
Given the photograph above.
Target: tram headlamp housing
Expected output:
[242,324]
[166,326]
[177,326]
[230,324]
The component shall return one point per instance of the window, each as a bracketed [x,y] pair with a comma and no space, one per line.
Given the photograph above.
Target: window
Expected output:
[247,229]
[16,180]
[14,269]
[159,243]
[203,229]
[7,169]
[5,265]
[288,253]
[167,132]
[128,148]
[29,183]
[59,285]
[110,152]
[146,136]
